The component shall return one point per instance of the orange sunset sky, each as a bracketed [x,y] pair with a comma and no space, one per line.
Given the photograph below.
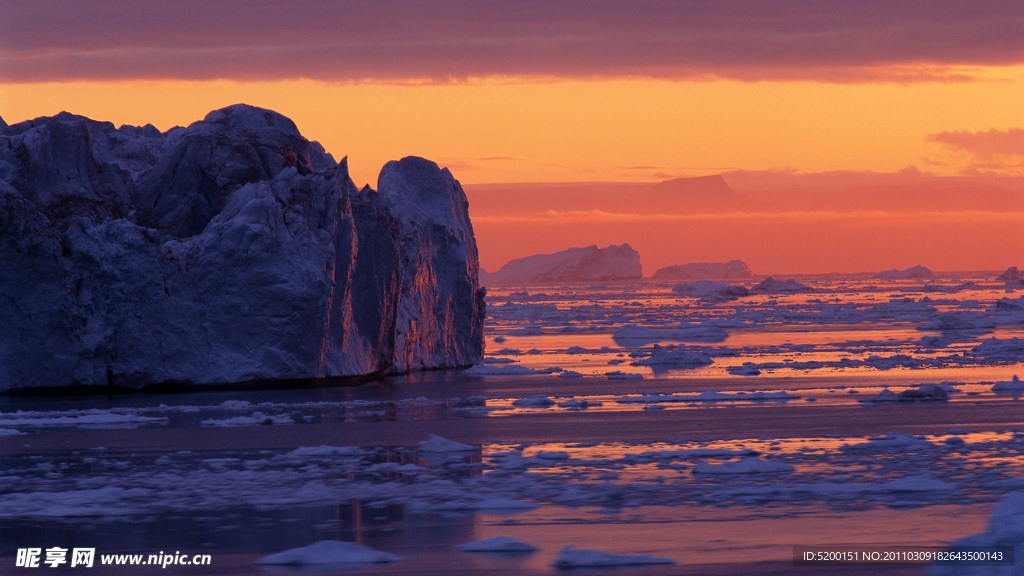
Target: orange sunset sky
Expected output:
[786,100]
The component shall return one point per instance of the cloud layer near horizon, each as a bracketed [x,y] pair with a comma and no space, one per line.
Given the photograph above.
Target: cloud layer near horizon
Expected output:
[394,41]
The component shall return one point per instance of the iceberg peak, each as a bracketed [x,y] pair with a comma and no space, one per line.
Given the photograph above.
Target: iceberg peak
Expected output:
[247,117]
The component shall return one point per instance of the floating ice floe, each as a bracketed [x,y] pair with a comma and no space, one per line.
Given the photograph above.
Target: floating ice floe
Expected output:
[571,557]
[438,444]
[995,348]
[707,396]
[498,544]
[106,501]
[620,375]
[1010,305]
[570,374]
[256,419]
[535,401]
[83,418]
[697,453]
[578,404]
[748,465]
[506,370]
[326,451]
[329,552]
[499,360]
[957,321]
[747,369]
[1014,385]
[923,393]
[711,290]
[674,357]
[526,331]
[630,335]
[890,442]
[772,285]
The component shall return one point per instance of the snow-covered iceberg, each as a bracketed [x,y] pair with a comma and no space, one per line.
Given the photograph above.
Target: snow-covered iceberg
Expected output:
[731,270]
[590,264]
[228,251]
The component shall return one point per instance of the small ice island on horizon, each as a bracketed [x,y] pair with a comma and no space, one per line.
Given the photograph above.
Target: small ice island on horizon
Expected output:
[731,270]
[589,264]
[228,251]
[912,273]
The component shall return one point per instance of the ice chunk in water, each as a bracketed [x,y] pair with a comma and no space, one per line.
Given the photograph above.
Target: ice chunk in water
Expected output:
[329,552]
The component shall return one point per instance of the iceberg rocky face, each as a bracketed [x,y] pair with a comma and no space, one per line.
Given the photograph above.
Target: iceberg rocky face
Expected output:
[228,251]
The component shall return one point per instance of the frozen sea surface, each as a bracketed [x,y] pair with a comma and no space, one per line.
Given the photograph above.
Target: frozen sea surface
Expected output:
[879,413]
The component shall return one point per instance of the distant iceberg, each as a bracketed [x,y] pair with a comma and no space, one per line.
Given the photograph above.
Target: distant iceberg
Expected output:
[914,273]
[731,270]
[590,264]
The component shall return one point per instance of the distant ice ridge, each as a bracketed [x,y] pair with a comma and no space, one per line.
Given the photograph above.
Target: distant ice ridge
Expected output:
[915,272]
[733,269]
[230,250]
[588,264]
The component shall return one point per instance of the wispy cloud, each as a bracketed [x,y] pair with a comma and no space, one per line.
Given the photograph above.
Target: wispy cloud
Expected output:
[399,41]
[997,150]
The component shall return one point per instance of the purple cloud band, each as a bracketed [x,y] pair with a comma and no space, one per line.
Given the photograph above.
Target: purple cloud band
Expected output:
[393,40]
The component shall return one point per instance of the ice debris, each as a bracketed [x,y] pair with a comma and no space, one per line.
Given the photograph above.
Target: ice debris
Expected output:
[497,544]
[772,285]
[572,557]
[923,393]
[438,444]
[748,465]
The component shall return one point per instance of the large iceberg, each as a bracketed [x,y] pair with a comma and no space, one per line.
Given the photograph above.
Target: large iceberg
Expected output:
[733,269]
[228,251]
[588,264]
